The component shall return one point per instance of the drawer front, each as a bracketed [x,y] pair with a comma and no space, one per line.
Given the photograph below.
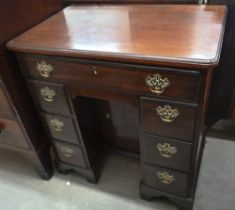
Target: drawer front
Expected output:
[50,97]
[70,154]
[62,128]
[170,181]
[137,79]
[168,119]
[166,152]
[11,134]
[5,108]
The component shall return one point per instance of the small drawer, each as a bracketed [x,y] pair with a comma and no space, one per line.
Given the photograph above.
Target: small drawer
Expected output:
[5,108]
[70,154]
[170,181]
[11,133]
[165,152]
[168,119]
[50,97]
[62,128]
[141,80]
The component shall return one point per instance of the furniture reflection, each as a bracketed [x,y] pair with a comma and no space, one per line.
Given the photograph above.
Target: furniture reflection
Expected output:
[20,129]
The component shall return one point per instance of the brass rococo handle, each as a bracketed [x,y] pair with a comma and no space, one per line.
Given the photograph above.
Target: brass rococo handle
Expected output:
[167,114]
[58,125]
[166,150]
[44,69]
[48,94]
[67,151]
[156,83]
[165,177]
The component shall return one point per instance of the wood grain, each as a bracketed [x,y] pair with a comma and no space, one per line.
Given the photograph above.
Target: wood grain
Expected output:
[180,160]
[177,187]
[185,83]
[12,134]
[133,33]
[182,127]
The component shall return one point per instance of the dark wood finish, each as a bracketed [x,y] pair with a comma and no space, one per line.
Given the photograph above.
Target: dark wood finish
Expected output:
[119,132]
[66,2]
[123,40]
[147,193]
[182,127]
[23,129]
[5,108]
[68,132]
[139,42]
[178,187]
[59,103]
[223,2]
[91,177]
[12,134]
[129,78]
[222,97]
[179,160]
[88,120]
[76,158]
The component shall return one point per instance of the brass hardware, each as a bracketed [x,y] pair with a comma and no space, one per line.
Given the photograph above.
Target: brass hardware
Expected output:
[48,94]
[166,150]
[57,124]
[165,177]
[67,151]
[44,69]
[94,70]
[167,114]
[156,84]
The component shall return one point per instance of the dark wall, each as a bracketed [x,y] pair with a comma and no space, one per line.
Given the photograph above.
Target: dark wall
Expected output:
[221,101]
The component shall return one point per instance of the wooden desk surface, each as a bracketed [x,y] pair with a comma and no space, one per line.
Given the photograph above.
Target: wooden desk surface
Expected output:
[152,34]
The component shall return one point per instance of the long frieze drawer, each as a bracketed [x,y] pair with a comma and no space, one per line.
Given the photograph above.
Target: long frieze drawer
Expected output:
[62,128]
[5,108]
[182,84]
[70,154]
[50,97]
[170,181]
[165,152]
[168,119]
[11,133]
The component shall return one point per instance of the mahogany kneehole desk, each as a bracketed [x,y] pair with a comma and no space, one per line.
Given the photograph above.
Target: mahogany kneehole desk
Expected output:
[133,77]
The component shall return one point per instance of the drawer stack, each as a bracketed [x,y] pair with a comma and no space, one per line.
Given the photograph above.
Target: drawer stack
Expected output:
[168,129]
[59,118]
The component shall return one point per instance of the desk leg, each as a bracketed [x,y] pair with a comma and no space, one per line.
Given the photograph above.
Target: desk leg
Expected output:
[91,174]
[42,162]
[148,193]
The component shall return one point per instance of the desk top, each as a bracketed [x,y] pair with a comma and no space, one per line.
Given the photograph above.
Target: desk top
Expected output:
[172,35]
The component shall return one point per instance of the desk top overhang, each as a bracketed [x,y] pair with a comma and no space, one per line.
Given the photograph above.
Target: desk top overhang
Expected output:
[172,35]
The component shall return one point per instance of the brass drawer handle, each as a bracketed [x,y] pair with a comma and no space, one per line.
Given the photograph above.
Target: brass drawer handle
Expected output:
[167,114]
[48,94]
[166,150]
[58,125]
[44,69]
[165,177]
[67,151]
[156,84]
